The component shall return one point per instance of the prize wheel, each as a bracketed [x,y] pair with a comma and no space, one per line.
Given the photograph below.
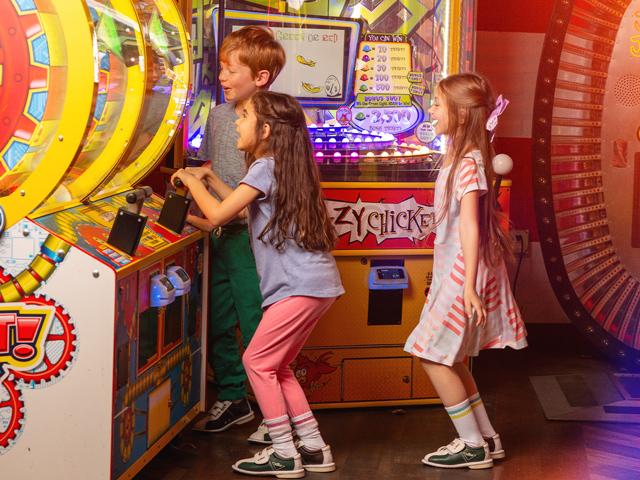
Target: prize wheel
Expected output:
[121,84]
[60,349]
[168,63]
[46,94]
[586,169]
[11,414]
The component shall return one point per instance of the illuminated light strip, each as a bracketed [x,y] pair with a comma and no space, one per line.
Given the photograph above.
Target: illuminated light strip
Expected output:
[586,296]
[576,247]
[606,8]
[572,247]
[618,305]
[583,52]
[578,211]
[579,69]
[576,176]
[563,103]
[578,87]
[578,281]
[572,139]
[570,122]
[575,158]
[630,315]
[586,15]
[580,32]
[581,228]
[597,308]
[578,193]
[607,252]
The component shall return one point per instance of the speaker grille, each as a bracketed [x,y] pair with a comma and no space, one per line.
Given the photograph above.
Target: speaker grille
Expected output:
[627,90]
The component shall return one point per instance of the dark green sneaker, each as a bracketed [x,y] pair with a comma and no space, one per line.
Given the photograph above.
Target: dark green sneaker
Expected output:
[269,463]
[460,455]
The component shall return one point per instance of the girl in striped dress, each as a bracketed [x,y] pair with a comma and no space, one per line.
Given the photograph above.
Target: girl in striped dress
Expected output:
[470,306]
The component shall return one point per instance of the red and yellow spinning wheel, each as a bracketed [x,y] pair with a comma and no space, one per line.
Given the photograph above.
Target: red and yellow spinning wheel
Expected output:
[46,95]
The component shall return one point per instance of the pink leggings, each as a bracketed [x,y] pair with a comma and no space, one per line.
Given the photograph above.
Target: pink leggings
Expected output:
[281,334]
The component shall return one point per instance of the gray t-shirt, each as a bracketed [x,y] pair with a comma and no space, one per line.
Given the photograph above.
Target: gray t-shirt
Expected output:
[219,145]
[293,271]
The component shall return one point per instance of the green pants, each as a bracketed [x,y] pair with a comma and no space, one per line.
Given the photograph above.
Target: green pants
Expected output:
[234,301]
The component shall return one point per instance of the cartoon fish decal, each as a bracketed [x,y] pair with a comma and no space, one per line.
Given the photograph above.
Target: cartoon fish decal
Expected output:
[310,88]
[304,61]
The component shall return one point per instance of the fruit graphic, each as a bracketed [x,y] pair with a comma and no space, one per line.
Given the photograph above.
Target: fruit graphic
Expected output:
[310,88]
[304,61]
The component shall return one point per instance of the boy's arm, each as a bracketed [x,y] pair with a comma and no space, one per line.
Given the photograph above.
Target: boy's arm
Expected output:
[217,213]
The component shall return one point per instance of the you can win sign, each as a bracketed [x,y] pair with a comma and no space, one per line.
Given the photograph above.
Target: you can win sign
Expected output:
[382,219]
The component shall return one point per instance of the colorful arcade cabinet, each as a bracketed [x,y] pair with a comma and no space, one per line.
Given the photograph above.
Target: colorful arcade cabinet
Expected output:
[100,320]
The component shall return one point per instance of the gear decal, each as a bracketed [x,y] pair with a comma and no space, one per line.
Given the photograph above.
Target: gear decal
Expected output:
[11,414]
[59,352]
[38,344]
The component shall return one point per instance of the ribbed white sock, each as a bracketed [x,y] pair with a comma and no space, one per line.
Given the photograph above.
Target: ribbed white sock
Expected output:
[307,429]
[480,412]
[465,423]
[281,436]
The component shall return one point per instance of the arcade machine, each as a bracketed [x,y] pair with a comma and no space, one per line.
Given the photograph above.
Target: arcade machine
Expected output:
[100,286]
[586,166]
[364,73]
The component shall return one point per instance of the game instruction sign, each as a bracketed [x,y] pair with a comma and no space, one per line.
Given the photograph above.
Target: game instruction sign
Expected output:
[385,85]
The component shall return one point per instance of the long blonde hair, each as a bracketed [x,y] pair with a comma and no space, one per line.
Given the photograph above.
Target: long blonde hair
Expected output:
[469,100]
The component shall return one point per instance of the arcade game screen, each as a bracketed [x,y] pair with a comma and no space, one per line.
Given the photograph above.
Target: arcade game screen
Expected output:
[364,77]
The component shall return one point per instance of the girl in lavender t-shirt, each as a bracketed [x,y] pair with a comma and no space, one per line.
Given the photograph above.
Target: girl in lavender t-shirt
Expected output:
[292,237]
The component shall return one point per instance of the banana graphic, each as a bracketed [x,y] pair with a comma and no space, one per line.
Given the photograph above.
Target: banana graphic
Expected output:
[310,88]
[304,61]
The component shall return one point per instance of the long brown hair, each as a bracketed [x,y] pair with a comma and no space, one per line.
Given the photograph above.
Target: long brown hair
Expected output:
[469,101]
[299,213]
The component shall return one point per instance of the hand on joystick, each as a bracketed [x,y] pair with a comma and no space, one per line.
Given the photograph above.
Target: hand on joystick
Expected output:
[181,178]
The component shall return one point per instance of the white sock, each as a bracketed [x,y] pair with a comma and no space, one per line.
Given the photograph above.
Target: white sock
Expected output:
[281,436]
[481,416]
[306,427]
[465,423]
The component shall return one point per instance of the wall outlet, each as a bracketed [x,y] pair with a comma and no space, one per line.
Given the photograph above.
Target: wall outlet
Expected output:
[520,239]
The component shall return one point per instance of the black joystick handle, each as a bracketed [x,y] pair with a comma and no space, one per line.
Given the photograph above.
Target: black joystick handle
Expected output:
[135,199]
[178,183]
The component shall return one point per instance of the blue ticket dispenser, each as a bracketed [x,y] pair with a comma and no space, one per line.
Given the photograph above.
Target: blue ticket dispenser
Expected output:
[386,284]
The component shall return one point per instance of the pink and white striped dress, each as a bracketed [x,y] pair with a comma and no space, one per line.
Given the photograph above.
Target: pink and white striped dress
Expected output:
[443,335]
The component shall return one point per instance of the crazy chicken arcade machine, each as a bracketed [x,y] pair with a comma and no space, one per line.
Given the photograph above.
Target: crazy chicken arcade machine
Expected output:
[100,350]
[366,96]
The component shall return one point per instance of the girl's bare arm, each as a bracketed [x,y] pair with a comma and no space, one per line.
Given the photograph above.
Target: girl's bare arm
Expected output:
[470,241]
[217,213]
